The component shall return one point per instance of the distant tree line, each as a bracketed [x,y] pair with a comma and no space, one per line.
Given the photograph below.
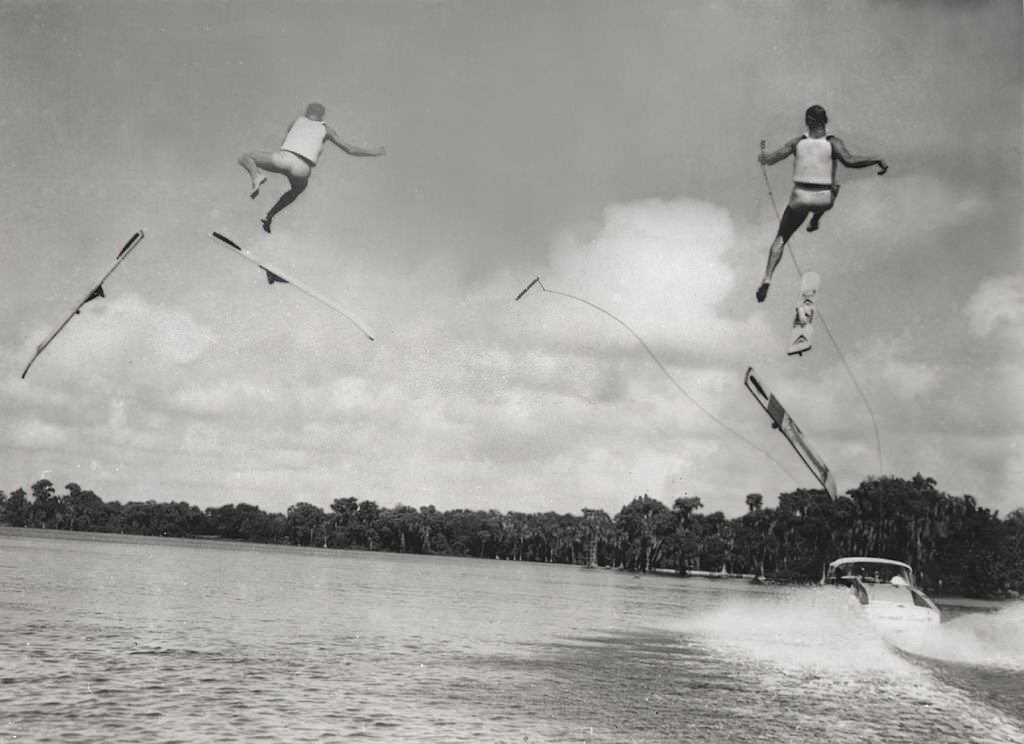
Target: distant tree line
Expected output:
[954,545]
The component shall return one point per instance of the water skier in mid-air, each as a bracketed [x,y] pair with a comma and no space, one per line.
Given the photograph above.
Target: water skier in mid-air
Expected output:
[296,158]
[814,182]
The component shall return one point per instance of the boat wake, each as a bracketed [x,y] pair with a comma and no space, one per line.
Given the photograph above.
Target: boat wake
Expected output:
[991,639]
[813,648]
[797,628]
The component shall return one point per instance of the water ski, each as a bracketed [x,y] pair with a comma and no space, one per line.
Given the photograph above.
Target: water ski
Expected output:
[785,424]
[275,275]
[96,292]
[803,320]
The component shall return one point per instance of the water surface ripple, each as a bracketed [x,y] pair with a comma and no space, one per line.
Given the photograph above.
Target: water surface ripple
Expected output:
[117,639]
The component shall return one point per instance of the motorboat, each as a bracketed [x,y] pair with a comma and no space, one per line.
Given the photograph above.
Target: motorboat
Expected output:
[886,590]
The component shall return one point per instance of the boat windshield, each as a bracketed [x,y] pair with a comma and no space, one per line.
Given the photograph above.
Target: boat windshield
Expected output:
[870,572]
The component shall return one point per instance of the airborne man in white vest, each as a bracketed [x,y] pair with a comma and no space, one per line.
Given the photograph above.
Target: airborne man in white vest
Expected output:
[814,181]
[296,158]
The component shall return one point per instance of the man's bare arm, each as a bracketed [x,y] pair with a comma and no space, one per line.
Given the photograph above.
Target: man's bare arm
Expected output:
[856,161]
[333,138]
[771,158]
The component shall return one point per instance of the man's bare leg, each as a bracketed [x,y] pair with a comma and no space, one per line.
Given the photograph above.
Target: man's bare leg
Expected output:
[297,187]
[774,256]
[254,162]
[789,224]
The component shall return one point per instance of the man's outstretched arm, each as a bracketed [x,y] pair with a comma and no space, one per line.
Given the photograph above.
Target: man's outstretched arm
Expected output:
[856,161]
[771,158]
[333,138]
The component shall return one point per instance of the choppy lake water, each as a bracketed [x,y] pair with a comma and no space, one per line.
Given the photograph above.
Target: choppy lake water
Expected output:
[113,639]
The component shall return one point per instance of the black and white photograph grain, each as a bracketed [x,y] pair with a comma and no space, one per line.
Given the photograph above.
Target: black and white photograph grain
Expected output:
[512,371]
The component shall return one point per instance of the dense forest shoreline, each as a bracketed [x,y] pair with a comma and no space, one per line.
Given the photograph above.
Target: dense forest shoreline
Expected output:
[954,545]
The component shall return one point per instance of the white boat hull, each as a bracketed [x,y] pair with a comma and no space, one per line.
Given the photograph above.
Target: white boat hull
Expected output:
[898,618]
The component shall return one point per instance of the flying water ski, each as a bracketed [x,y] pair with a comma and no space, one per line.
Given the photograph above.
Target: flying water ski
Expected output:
[803,320]
[275,275]
[92,294]
[782,421]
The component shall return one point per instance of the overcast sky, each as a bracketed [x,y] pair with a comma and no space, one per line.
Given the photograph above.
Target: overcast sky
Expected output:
[608,147]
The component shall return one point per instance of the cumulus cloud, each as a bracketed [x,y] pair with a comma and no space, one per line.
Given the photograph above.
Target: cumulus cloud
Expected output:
[500,385]
[468,394]
[122,332]
[469,398]
[663,267]
[997,303]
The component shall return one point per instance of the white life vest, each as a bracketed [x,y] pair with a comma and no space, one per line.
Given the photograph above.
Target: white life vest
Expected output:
[813,163]
[306,138]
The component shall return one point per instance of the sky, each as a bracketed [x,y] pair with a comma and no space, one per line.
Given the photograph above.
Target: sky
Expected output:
[607,147]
